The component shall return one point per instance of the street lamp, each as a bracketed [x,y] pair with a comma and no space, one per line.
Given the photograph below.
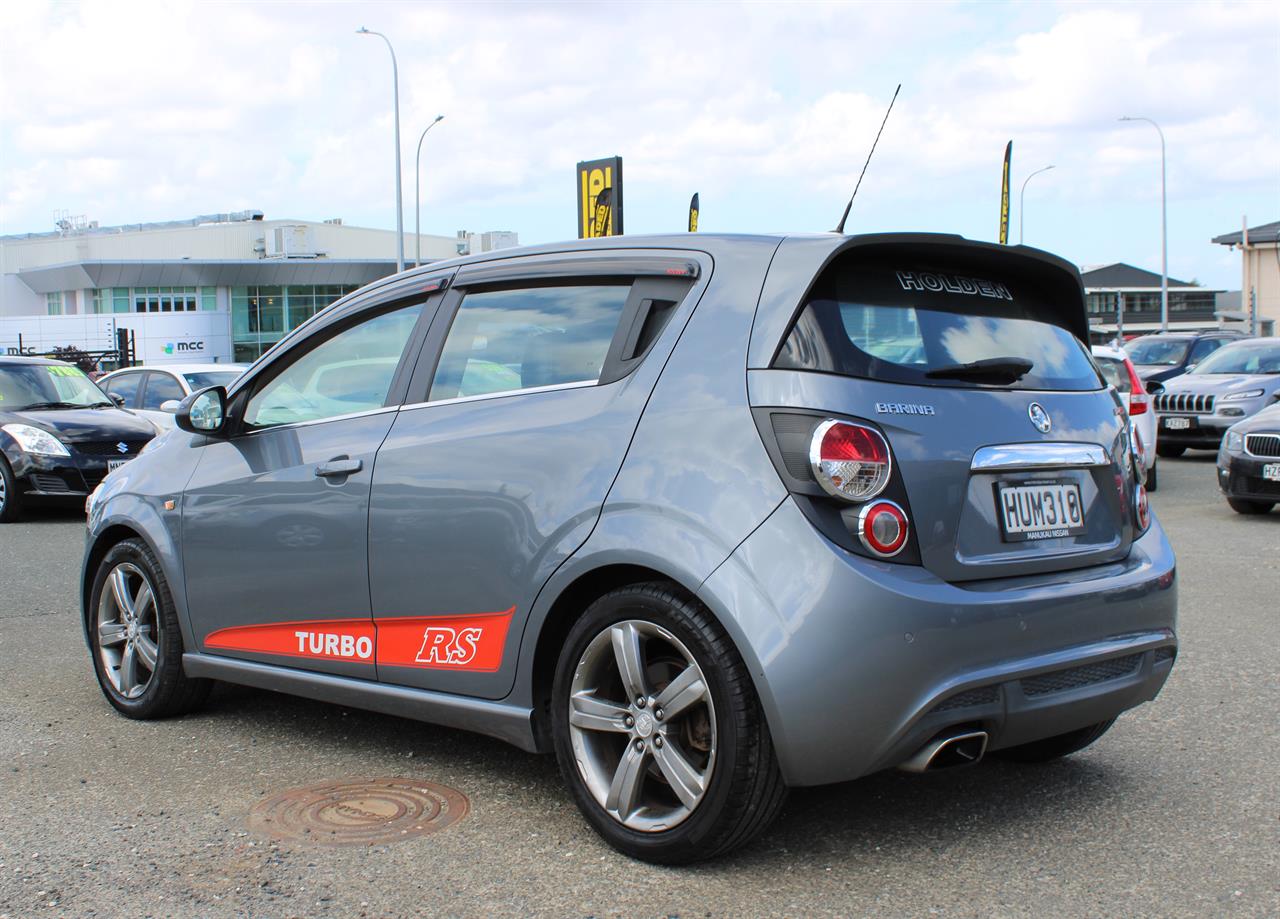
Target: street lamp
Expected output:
[1022,195]
[417,184]
[1164,229]
[395,83]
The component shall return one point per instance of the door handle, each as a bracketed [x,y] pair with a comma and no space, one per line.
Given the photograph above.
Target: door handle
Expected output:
[339,468]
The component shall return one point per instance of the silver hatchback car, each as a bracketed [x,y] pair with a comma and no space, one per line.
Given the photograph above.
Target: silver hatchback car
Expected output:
[705,516]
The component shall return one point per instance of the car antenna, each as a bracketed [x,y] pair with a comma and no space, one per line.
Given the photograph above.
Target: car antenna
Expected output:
[840,227]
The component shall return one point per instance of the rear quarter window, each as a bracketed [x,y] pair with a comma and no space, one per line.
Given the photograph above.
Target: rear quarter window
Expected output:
[911,323]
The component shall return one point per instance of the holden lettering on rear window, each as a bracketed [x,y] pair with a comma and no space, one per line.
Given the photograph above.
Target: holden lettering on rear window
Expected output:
[957,284]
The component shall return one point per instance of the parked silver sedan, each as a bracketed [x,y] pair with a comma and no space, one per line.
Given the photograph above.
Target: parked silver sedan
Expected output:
[154,392]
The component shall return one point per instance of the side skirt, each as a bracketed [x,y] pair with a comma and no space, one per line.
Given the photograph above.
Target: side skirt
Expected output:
[511,723]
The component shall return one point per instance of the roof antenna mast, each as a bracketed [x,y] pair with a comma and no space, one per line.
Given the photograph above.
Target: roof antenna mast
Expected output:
[840,227]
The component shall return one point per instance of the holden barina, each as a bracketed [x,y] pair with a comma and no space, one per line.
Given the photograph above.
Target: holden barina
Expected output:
[707,517]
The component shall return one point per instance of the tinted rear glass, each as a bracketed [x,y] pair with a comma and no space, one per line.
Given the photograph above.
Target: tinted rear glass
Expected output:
[1115,372]
[915,324]
[1167,352]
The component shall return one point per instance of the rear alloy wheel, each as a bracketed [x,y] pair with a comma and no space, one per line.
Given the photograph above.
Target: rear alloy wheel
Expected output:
[134,634]
[1051,748]
[1245,506]
[10,501]
[658,729]
[1169,451]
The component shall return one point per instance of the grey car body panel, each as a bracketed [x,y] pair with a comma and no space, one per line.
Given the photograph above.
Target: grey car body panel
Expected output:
[953,510]
[477,501]
[849,655]
[852,652]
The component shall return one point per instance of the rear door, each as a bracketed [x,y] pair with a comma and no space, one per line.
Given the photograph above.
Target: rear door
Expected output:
[1003,472]
[528,391]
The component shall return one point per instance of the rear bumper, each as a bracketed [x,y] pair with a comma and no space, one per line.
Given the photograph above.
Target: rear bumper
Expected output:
[859,663]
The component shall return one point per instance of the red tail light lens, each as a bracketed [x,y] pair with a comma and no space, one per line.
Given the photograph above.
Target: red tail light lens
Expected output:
[848,460]
[1139,401]
[882,527]
[1141,508]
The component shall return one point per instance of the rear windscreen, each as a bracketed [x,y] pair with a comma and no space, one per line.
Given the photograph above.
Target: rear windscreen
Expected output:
[923,324]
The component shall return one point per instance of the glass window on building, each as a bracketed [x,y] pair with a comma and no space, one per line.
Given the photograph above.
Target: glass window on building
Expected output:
[165,299]
[53,301]
[208,298]
[110,300]
[261,316]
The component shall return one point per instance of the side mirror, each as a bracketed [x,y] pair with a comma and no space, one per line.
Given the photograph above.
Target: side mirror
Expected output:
[203,412]
[171,406]
[116,398]
[1155,387]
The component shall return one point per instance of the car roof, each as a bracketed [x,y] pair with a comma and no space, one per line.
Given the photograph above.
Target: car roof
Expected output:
[1116,354]
[32,361]
[186,368]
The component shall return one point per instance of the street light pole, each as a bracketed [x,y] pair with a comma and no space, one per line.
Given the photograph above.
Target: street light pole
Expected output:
[417,184]
[1164,228]
[1022,197]
[395,83]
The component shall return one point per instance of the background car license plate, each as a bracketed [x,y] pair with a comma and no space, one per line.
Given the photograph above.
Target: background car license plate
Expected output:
[1039,510]
[1271,472]
[1177,424]
[114,464]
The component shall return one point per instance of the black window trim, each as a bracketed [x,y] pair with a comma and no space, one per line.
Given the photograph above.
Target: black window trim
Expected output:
[643,274]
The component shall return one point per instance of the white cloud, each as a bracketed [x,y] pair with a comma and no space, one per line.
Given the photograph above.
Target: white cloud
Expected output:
[129,112]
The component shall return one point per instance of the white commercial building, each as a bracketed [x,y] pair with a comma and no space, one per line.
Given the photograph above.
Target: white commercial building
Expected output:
[222,287]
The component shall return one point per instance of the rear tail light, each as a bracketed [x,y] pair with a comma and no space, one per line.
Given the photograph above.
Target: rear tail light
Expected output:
[850,461]
[882,527]
[1141,508]
[1139,401]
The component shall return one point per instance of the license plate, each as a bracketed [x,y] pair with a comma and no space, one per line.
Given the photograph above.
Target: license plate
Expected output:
[1177,424]
[1039,510]
[114,464]
[1271,472]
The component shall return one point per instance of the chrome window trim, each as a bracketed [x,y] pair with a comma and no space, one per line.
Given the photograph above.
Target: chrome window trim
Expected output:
[1004,457]
[579,384]
[250,432]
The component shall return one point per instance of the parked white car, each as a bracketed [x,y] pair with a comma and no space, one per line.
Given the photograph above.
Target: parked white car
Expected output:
[1121,373]
[145,390]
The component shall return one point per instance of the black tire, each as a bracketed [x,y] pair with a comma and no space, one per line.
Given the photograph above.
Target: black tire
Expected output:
[1152,479]
[1169,451]
[168,691]
[10,500]
[745,790]
[1051,748]
[1245,506]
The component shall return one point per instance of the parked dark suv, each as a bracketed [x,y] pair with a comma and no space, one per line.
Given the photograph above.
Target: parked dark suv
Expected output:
[707,516]
[1170,354]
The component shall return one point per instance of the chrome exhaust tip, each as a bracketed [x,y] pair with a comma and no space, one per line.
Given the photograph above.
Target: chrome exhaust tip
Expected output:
[947,751]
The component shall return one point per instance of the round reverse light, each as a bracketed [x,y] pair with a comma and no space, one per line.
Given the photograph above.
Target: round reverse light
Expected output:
[1141,508]
[848,460]
[882,527]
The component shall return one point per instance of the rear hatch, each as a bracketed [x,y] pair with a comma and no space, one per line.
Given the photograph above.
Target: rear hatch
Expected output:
[1009,453]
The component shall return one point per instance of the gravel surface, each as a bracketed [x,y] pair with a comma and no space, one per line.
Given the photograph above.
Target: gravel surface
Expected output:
[1176,812]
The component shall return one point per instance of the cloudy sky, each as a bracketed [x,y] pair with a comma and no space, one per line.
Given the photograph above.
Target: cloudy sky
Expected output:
[126,112]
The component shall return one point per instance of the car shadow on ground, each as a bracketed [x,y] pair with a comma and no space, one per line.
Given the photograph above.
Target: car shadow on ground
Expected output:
[53,513]
[881,817]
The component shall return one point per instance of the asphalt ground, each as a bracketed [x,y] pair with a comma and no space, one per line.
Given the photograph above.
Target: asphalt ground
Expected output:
[1176,812]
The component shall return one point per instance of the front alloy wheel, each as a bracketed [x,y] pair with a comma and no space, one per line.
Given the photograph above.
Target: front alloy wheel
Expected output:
[127,630]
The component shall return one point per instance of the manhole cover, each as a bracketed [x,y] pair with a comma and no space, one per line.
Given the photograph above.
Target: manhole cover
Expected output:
[361,813]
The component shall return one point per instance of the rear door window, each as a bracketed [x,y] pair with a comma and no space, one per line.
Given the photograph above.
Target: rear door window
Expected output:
[923,325]
[527,338]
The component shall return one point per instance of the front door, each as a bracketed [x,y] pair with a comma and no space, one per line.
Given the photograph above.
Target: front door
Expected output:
[275,518]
